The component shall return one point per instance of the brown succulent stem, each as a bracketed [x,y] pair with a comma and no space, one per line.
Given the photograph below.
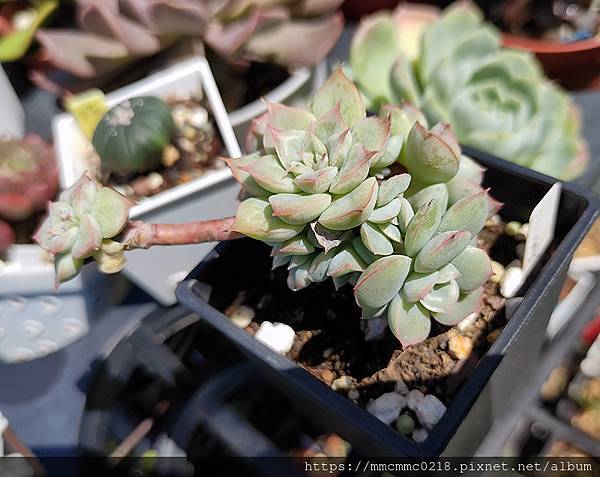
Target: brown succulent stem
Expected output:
[142,235]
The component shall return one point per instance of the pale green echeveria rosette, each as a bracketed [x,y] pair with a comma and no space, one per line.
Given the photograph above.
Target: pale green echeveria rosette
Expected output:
[453,67]
[321,194]
[81,225]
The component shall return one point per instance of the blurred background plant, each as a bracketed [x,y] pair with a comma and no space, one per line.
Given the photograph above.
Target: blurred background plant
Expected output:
[28,181]
[455,69]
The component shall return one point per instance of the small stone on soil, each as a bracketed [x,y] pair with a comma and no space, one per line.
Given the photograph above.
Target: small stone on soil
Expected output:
[242,316]
[419,435]
[511,281]
[459,347]
[387,407]
[497,271]
[342,384]
[468,322]
[277,336]
[404,424]
[413,398]
[430,410]
[400,387]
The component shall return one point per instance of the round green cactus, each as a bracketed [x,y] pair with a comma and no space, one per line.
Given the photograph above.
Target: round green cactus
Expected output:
[454,68]
[322,195]
[132,135]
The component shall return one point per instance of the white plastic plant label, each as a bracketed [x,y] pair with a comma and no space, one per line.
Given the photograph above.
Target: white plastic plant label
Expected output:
[540,233]
[12,119]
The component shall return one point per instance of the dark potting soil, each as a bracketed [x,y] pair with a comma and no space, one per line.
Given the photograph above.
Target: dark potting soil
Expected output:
[193,153]
[242,84]
[330,342]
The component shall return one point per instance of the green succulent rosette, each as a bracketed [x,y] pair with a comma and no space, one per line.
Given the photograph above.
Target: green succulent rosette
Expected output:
[453,67]
[321,193]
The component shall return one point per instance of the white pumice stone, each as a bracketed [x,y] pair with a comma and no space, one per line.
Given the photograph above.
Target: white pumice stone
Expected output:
[374,328]
[387,407]
[468,322]
[401,387]
[511,281]
[430,410]
[277,336]
[413,398]
[497,271]
[419,435]
[590,366]
[243,316]
[342,383]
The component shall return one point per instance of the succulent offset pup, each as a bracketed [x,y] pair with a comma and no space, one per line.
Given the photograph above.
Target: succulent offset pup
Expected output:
[321,192]
[454,68]
[28,180]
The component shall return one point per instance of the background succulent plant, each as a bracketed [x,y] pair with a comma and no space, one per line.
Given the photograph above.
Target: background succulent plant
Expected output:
[81,224]
[323,197]
[454,68]
[28,180]
[291,33]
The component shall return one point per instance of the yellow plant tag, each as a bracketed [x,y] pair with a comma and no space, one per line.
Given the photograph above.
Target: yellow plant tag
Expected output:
[87,108]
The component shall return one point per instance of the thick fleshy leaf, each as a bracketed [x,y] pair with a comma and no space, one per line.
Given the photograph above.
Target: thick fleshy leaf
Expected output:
[372,132]
[255,219]
[422,227]
[372,54]
[270,175]
[327,238]
[339,282]
[375,240]
[441,250]
[471,170]
[89,237]
[386,213]
[80,195]
[339,89]
[403,80]
[354,170]
[437,192]
[418,285]
[297,261]
[316,182]
[428,157]
[403,117]
[405,215]
[66,267]
[369,313]
[56,238]
[442,298]
[331,123]
[392,188]
[381,281]
[287,118]
[319,267]
[466,304]
[469,213]
[242,177]
[280,261]
[298,209]
[389,154]
[339,148]
[299,278]
[352,209]
[367,256]
[460,187]
[447,273]
[391,231]
[299,245]
[474,266]
[345,261]
[288,145]
[409,322]
[111,211]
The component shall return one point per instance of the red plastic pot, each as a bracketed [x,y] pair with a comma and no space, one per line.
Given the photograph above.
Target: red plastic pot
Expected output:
[574,65]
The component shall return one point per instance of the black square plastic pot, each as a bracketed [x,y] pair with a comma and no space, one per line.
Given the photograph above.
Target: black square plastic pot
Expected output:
[482,398]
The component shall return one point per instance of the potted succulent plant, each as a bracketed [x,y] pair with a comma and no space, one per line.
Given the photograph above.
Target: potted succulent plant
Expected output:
[395,210]
[164,157]
[453,66]
[35,320]
[562,35]
[255,49]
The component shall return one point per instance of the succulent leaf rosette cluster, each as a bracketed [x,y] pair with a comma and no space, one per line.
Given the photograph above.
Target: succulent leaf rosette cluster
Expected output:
[111,33]
[80,226]
[321,193]
[453,67]
[28,180]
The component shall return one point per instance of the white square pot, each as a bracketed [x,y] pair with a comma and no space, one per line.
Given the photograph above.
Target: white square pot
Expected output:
[35,320]
[213,195]
[12,119]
